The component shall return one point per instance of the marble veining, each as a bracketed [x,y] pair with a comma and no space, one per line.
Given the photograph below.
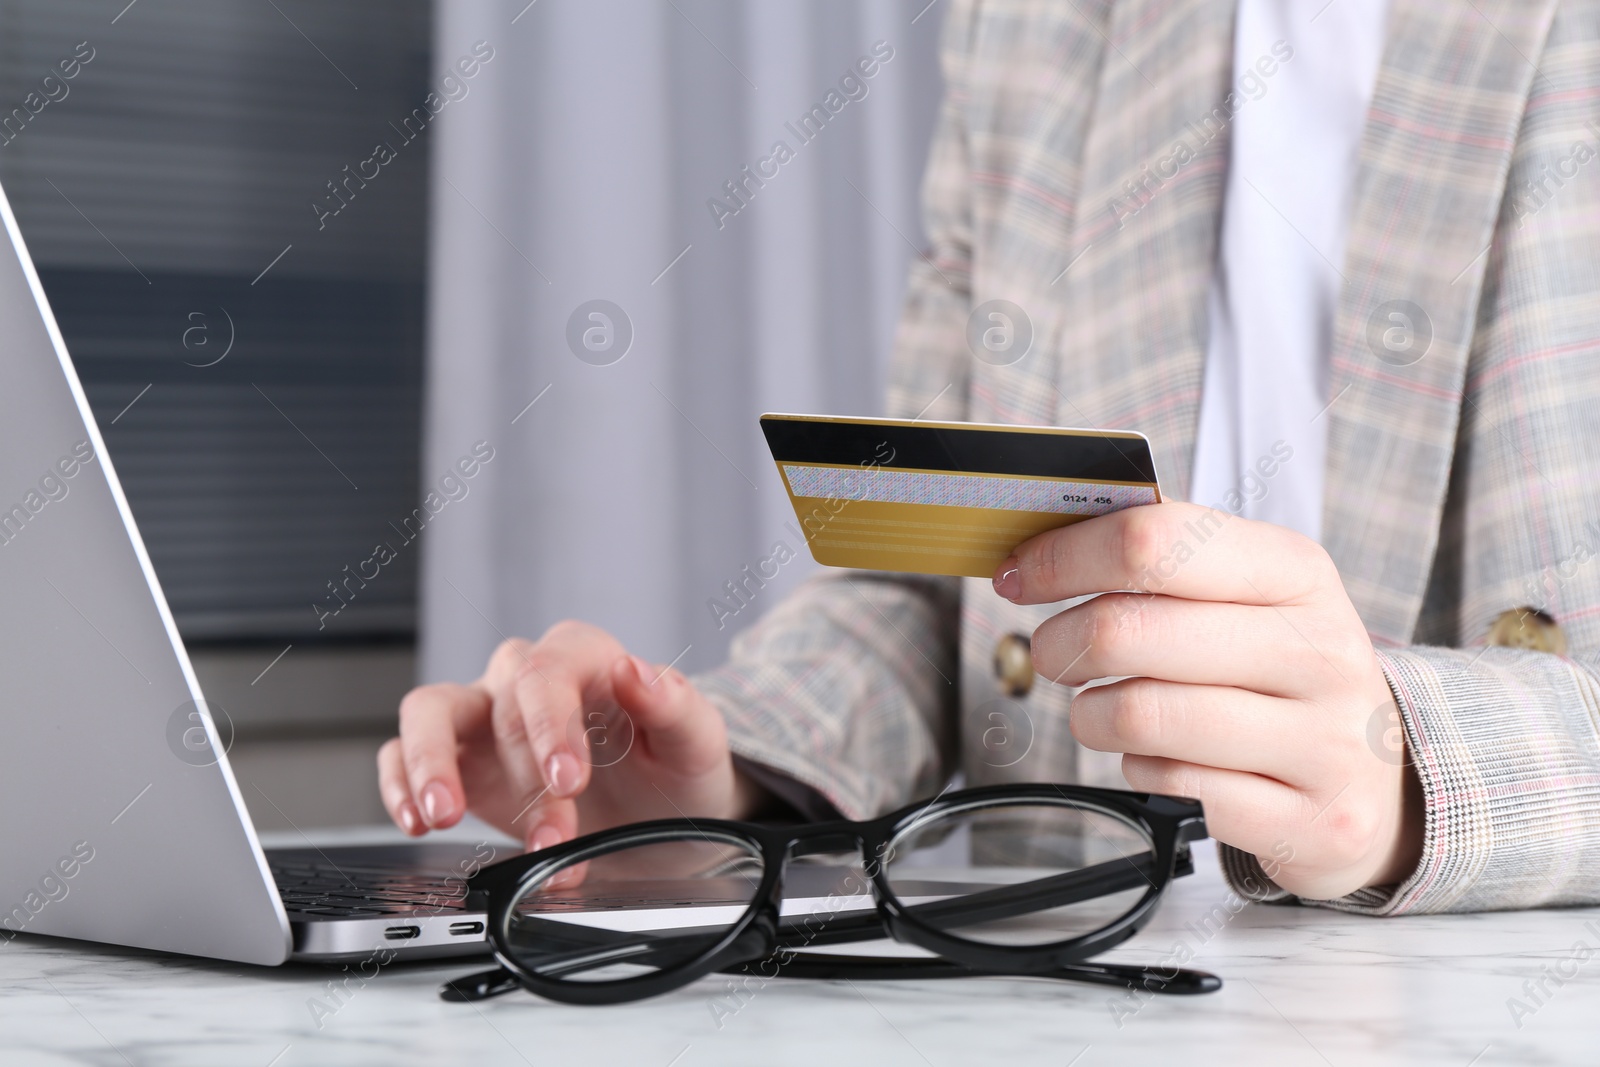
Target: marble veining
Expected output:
[1303,986]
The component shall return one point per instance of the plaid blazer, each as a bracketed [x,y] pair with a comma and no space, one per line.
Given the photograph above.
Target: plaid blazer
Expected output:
[1458,486]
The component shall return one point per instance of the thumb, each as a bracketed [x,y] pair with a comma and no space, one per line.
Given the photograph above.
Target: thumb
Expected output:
[678,726]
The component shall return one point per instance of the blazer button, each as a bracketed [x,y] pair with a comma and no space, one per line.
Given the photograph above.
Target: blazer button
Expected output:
[1528,628]
[1013,664]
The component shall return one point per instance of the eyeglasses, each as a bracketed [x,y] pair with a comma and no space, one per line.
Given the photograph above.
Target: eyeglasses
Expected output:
[1019,880]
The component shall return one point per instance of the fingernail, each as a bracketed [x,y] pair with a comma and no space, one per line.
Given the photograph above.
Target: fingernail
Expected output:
[437,803]
[543,836]
[408,818]
[1008,583]
[561,773]
[642,669]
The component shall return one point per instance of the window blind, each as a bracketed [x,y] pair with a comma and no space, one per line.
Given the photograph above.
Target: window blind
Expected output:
[255,365]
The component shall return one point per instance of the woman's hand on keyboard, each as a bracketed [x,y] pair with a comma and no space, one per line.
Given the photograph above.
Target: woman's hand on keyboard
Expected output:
[563,735]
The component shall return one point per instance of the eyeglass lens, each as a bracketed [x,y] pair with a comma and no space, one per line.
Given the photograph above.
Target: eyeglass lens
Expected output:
[633,909]
[1020,874]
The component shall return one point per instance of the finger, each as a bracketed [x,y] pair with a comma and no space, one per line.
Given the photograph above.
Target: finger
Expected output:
[432,717]
[1307,843]
[1215,726]
[540,691]
[1174,548]
[396,790]
[1244,810]
[682,730]
[1121,634]
[550,704]
[547,821]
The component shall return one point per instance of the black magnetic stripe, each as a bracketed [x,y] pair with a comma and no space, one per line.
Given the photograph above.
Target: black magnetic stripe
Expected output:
[970,451]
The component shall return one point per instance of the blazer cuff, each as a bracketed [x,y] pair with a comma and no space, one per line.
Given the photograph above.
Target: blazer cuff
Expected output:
[1504,745]
[1246,877]
[792,800]
[1503,742]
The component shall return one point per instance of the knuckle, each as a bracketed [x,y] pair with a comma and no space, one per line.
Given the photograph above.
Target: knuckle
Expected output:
[1141,543]
[1047,561]
[509,727]
[417,703]
[1348,832]
[509,652]
[1312,566]
[1151,775]
[1357,654]
[520,725]
[534,665]
[1047,645]
[1315,560]
[1114,624]
[1087,714]
[393,775]
[1138,716]
[1349,749]
[540,730]
[419,764]
[567,630]
[1348,654]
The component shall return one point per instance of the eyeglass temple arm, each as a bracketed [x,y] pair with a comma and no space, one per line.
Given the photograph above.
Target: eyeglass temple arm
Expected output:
[1038,894]
[480,986]
[754,942]
[1176,981]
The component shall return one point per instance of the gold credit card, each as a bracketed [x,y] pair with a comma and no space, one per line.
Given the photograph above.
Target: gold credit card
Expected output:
[947,497]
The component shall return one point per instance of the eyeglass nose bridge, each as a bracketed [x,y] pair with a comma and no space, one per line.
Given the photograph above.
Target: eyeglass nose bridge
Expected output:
[826,842]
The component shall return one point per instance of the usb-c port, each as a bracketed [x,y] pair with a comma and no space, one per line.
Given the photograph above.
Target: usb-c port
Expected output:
[463,929]
[402,933]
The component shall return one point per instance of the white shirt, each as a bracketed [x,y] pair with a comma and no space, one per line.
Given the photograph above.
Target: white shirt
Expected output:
[1261,444]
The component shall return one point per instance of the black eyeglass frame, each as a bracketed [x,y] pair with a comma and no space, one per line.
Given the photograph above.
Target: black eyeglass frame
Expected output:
[1171,824]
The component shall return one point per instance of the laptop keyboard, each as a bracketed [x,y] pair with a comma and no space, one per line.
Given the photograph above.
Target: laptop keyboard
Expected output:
[319,887]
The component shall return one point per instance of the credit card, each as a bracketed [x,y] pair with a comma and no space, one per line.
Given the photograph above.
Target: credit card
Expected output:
[947,497]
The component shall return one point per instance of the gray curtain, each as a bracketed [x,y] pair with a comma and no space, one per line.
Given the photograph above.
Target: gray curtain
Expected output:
[586,162]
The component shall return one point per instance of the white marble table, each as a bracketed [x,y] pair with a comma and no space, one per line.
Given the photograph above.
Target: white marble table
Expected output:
[1303,986]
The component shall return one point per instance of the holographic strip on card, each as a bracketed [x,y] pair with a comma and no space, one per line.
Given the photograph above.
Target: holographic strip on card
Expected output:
[890,486]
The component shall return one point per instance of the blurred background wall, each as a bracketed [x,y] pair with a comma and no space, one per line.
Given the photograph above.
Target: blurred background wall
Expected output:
[305,262]
[592,162]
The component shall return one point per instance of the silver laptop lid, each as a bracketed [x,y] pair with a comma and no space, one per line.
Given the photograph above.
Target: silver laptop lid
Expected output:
[122,820]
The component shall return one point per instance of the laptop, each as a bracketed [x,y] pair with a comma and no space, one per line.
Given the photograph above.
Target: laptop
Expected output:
[123,822]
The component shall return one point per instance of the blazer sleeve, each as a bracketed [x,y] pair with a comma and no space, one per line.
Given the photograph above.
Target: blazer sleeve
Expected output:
[848,686]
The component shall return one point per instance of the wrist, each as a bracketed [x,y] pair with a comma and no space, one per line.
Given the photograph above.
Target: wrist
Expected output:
[749,798]
[1405,852]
